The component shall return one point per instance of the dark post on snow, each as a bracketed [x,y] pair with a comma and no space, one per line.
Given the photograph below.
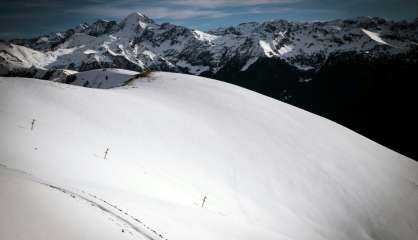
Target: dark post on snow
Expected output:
[33,124]
[106,152]
[203,201]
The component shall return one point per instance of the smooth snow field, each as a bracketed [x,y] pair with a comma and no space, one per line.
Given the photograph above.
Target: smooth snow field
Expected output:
[136,162]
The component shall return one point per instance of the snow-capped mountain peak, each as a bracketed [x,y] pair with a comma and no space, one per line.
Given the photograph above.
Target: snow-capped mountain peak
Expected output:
[138,42]
[136,20]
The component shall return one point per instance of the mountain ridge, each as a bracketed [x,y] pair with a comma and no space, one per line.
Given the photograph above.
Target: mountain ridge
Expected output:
[138,42]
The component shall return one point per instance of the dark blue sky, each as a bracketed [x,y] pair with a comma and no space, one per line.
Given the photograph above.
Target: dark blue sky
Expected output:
[24,18]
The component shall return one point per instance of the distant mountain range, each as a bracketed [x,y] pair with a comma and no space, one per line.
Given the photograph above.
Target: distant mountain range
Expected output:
[358,72]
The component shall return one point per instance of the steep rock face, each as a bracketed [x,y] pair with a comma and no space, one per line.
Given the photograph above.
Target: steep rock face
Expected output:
[101,27]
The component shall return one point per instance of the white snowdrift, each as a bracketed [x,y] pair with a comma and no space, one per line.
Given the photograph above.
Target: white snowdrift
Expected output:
[269,170]
[268,51]
[375,36]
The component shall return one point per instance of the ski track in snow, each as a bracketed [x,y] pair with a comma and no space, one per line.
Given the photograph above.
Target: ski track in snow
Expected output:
[94,201]
[138,229]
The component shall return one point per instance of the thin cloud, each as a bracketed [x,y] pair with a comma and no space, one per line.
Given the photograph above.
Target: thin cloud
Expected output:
[28,16]
[172,9]
[228,3]
[153,12]
[161,12]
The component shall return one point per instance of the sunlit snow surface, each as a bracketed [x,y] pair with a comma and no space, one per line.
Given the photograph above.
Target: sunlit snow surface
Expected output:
[269,170]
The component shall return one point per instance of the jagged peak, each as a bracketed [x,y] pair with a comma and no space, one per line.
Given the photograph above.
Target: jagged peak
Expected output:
[81,27]
[136,18]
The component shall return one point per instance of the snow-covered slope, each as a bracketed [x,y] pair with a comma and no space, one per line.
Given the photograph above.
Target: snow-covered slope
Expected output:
[137,42]
[142,157]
